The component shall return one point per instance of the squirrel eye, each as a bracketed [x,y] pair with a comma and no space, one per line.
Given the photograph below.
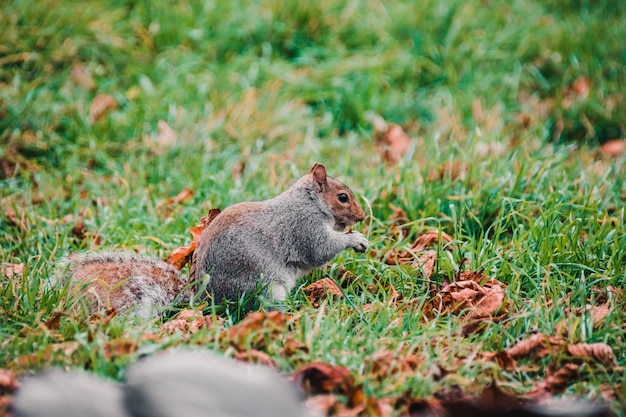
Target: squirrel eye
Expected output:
[342,197]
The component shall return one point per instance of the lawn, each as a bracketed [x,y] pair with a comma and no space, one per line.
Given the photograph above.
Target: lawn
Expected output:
[484,139]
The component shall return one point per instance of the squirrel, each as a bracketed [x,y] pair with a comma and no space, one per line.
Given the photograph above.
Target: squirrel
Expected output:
[270,243]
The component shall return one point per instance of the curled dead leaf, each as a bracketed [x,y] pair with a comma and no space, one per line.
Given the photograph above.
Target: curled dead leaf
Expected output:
[101,105]
[255,356]
[188,321]
[323,378]
[555,382]
[184,195]
[426,262]
[253,331]
[430,238]
[391,142]
[119,347]
[320,289]
[452,170]
[54,322]
[600,352]
[183,254]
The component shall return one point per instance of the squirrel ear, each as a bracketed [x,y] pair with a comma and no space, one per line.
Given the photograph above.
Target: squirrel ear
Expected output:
[319,176]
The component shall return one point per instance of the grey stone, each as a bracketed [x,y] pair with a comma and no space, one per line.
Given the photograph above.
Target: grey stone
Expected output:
[62,394]
[201,383]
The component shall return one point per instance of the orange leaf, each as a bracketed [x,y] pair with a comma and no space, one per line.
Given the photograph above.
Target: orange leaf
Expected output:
[613,148]
[320,289]
[187,322]
[323,378]
[255,356]
[430,238]
[251,332]
[181,255]
[8,382]
[101,105]
[11,270]
[392,142]
[181,197]
[119,347]
[426,262]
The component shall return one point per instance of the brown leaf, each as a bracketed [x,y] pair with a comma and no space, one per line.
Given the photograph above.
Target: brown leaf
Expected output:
[555,382]
[600,352]
[8,382]
[251,332]
[292,347]
[81,76]
[580,87]
[613,148]
[255,356]
[188,321]
[119,347]
[451,169]
[181,197]
[529,347]
[495,398]
[10,270]
[392,143]
[54,322]
[167,136]
[490,303]
[323,378]
[426,262]
[430,238]
[101,105]
[183,254]
[320,289]
[323,405]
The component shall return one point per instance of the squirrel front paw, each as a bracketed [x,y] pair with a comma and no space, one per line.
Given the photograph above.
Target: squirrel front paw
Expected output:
[358,242]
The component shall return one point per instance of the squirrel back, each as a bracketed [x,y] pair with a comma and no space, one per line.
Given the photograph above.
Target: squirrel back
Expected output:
[278,240]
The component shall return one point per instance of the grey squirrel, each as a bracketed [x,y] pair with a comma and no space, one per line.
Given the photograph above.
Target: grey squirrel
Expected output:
[272,243]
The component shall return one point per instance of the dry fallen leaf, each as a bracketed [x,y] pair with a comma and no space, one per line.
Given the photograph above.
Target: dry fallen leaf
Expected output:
[8,382]
[119,347]
[320,289]
[600,352]
[181,197]
[391,141]
[255,356]
[188,321]
[253,331]
[167,136]
[323,378]
[613,148]
[54,322]
[451,169]
[181,255]
[101,105]
[555,382]
[430,238]
[81,76]
[10,270]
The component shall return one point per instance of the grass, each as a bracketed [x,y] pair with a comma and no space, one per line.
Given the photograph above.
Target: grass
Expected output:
[274,86]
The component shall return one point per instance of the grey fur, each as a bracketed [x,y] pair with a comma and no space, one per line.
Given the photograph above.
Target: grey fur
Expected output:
[277,240]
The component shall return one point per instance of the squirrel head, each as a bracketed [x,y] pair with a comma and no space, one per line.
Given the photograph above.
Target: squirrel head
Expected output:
[338,198]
